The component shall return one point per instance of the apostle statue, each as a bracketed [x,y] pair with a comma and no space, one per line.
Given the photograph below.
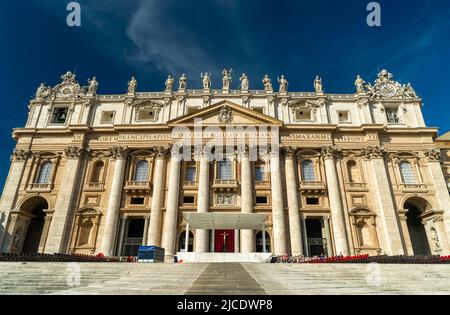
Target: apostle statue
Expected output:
[409,92]
[227,79]
[132,85]
[283,84]
[359,83]
[182,83]
[206,79]
[93,86]
[43,91]
[244,82]
[267,83]
[318,85]
[169,83]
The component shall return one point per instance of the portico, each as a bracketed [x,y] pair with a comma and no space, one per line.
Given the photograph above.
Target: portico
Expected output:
[225,232]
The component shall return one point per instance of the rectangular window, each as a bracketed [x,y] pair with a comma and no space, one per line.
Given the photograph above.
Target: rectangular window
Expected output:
[60,115]
[261,200]
[147,115]
[189,200]
[190,174]
[225,171]
[392,116]
[192,109]
[137,201]
[312,201]
[260,174]
[344,117]
[107,117]
[303,115]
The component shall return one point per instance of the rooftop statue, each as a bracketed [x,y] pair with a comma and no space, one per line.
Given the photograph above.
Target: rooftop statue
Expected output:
[318,85]
[169,83]
[93,86]
[132,85]
[283,84]
[244,82]
[182,82]
[359,84]
[206,79]
[267,83]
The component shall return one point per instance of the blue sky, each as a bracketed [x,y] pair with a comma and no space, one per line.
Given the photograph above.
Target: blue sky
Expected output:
[151,38]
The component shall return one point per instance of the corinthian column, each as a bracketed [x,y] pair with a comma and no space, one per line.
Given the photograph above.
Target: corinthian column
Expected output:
[154,232]
[57,236]
[384,201]
[334,194]
[115,197]
[292,198]
[440,185]
[279,225]
[247,236]
[12,184]
[201,236]
[170,222]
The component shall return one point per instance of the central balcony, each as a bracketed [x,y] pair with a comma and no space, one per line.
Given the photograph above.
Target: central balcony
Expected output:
[94,186]
[225,185]
[132,186]
[313,187]
[39,188]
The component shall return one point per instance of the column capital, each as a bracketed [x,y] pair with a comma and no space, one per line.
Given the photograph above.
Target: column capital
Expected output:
[432,154]
[21,155]
[119,153]
[290,153]
[74,152]
[161,152]
[373,152]
[330,152]
[203,151]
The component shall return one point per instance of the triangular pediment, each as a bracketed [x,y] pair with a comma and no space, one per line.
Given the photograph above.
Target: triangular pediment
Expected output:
[226,113]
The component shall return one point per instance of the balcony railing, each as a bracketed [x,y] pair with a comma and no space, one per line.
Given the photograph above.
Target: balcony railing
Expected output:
[189,184]
[141,186]
[356,186]
[262,183]
[38,187]
[94,186]
[312,185]
[225,184]
[412,187]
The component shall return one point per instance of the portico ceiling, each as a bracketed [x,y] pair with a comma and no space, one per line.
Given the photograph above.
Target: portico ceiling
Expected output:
[225,221]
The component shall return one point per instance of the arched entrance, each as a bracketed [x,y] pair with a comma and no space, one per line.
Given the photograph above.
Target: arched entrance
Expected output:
[417,234]
[34,209]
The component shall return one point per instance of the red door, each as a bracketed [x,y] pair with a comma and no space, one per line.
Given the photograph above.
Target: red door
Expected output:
[224,241]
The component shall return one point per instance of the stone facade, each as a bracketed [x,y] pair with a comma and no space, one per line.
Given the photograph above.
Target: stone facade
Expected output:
[354,173]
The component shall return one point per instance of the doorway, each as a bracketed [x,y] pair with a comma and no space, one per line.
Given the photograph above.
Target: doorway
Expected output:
[35,207]
[315,241]
[134,237]
[416,230]
[224,241]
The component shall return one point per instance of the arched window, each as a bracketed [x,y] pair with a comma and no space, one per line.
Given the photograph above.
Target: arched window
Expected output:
[97,172]
[141,174]
[45,173]
[407,173]
[308,171]
[225,170]
[353,172]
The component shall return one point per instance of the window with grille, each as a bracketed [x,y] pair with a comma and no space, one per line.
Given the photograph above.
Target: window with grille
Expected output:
[141,174]
[407,173]
[60,115]
[45,173]
[225,170]
[190,174]
[308,171]
[392,116]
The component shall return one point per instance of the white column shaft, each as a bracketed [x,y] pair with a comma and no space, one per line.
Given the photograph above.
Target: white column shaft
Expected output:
[293,205]
[201,236]
[247,236]
[154,231]
[279,225]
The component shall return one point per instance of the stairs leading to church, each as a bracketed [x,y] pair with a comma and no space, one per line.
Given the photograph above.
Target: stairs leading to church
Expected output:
[223,278]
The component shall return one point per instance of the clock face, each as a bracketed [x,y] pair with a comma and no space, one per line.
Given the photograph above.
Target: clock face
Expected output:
[388,90]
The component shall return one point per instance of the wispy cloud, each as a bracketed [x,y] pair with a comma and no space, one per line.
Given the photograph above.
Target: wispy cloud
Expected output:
[163,41]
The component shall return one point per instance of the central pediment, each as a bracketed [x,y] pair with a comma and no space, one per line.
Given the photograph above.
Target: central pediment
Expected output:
[226,113]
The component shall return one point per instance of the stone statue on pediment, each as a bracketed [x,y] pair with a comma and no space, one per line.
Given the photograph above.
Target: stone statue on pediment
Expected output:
[182,82]
[283,84]
[360,84]
[169,83]
[132,85]
[68,77]
[244,82]
[93,86]
[206,79]
[318,85]
[43,92]
[227,79]
[267,83]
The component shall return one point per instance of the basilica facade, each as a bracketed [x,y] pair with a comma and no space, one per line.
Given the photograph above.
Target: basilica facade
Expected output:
[332,173]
